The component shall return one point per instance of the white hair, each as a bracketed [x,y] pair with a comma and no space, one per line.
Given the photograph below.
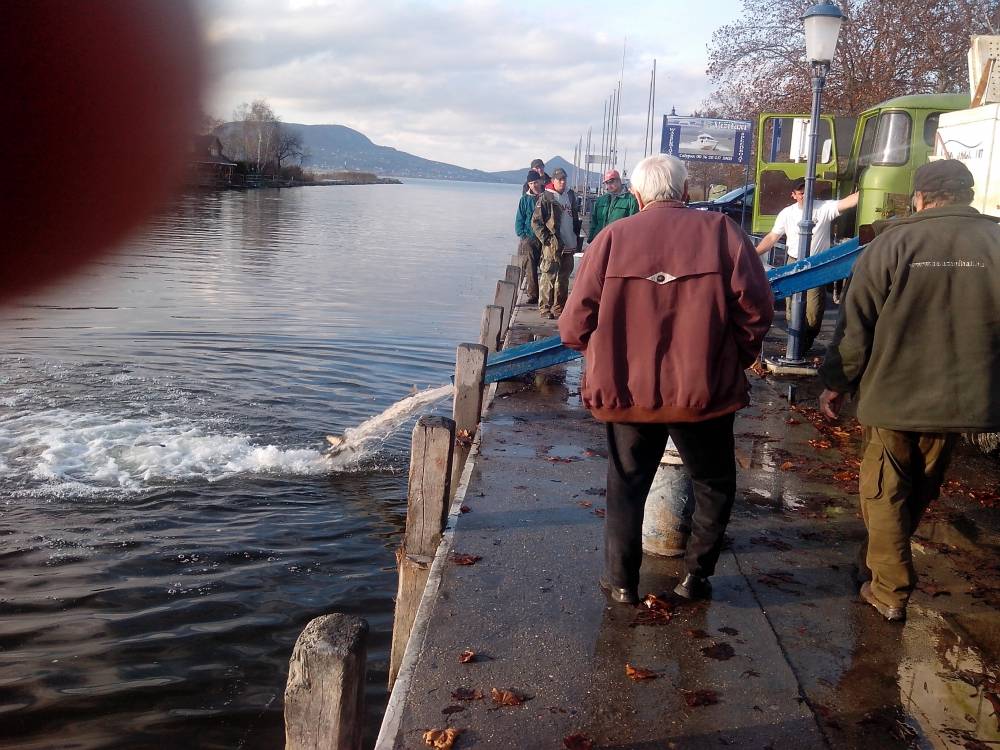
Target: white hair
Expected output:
[659,178]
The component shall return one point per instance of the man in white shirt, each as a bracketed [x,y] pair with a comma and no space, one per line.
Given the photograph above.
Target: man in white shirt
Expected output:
[787,225]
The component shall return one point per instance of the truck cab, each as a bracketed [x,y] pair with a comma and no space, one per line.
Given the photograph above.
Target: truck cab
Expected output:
[875,154]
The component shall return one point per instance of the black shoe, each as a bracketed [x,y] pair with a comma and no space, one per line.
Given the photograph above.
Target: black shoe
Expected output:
[694,587]
[619,594]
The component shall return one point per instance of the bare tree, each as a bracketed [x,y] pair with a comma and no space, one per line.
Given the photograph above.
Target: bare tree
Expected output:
[885,50]
[289,145]
[255,139]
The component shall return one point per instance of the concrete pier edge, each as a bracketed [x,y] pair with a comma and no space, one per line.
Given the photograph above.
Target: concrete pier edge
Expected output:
[421,623]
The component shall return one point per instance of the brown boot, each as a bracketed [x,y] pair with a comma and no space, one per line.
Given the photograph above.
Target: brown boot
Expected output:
[892,614]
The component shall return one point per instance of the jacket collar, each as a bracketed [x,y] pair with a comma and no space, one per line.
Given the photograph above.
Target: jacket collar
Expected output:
[967,212]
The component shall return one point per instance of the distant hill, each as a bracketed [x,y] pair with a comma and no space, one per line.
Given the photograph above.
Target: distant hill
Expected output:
[336,147]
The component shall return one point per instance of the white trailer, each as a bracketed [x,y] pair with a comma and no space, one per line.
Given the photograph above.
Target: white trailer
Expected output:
[973,137]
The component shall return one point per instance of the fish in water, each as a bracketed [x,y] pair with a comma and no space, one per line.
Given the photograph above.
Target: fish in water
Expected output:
[337,444]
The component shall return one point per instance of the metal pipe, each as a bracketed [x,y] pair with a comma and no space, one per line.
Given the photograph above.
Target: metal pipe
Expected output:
[794,352]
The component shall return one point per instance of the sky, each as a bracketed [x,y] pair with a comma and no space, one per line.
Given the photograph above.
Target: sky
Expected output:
[480,83]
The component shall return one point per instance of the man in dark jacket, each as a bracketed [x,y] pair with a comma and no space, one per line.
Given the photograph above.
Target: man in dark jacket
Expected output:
[529,249]
[669,307]
[616,203]
[918,340]
[538,167]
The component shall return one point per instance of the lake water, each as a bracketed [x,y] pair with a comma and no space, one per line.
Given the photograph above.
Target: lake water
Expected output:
[168,524]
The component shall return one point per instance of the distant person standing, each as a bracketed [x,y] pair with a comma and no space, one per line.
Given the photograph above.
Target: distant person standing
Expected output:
[556,224]
[537,166]
[616,203]
[918,340]
[668,309]
[529,249]
[787,225]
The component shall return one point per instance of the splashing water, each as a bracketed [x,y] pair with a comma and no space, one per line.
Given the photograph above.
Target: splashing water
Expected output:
[357,441]
[63,452]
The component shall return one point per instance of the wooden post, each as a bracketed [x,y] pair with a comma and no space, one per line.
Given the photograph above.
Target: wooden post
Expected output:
[428,497]
[513,275]
[489,331]
[505,296]
[470,370]
[325,693]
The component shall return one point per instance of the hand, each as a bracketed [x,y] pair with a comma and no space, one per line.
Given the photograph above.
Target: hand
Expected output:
[830,403]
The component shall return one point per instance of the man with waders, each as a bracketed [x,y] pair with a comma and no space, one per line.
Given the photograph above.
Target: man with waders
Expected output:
[918,340]
[556,224]
[529,249]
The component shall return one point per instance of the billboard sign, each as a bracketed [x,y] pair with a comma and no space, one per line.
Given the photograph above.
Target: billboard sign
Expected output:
[706,139]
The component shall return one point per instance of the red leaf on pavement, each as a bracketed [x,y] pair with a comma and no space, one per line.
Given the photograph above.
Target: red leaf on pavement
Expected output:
[441,739]
[466,656]
[585,504]
[461,558]
[696,698]
[600,512]
[577,742]
[507,697]
[465,509]
[696,633]
[787,466]
[638,673]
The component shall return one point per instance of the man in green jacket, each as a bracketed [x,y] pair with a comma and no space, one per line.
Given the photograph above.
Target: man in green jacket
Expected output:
[917,339]
[616,203]
[529,249]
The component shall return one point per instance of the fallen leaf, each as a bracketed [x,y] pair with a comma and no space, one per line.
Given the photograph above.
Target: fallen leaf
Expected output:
[465,509]
[729,631]
[585,504]
[466,694]
[463,437]
[696,698]
[577,742]
[466,656]
[638,673]
[449,710]
[461,558]
[787,466]
[652,601]
[507,697]
[719,651]
[820,444]
[995,702]
[600,512]
[933,589]
[792,421]
[441,739]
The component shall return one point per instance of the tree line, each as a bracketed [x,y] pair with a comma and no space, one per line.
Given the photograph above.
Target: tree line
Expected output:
[257,139]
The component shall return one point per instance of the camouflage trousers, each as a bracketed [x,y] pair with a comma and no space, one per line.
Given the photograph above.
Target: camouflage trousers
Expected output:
[553,281]
[901,474]
[529,251]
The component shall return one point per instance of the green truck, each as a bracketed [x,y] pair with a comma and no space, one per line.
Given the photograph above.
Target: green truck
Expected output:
[876,153]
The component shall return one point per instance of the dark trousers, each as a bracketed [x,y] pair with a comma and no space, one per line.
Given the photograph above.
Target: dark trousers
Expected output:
[634,453]
[529,250]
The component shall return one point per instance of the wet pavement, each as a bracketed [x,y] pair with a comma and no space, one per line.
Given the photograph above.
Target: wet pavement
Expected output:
[784,656]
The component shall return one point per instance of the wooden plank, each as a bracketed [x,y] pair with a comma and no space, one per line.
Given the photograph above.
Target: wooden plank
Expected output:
[470,369]
[325,693]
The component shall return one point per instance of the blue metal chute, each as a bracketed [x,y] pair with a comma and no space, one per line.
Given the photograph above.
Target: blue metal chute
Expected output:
[822,268]
[817,270]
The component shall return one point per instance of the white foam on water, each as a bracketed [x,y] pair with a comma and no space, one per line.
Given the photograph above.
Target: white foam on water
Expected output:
[361,439]
[84,453]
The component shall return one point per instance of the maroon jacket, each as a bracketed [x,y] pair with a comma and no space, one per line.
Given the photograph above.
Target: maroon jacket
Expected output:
[669,307]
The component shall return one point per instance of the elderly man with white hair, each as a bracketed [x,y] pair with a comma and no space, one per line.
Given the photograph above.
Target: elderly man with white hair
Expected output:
[669,307]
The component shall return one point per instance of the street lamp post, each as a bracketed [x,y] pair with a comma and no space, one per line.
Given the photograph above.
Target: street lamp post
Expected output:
[822,26]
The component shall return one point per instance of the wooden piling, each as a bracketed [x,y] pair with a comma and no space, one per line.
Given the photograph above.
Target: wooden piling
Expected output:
[428,497]
[470,370]
[505,296]
[325,693]
[489,331]
[513,275]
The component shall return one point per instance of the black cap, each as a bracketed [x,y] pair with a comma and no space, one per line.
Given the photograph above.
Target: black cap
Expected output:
[558,173]
[537,163]
[532,176]
[946,175]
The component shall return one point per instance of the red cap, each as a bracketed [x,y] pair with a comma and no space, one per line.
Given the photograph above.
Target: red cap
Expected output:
[612,174]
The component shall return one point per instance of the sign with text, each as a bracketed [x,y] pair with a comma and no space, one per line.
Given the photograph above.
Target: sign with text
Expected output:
[706,139]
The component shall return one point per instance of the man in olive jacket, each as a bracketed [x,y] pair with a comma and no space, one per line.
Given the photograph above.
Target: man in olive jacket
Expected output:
[615,204]
[556,224]
[919,340]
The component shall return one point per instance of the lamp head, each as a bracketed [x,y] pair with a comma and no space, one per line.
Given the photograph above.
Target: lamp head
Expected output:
[822,24]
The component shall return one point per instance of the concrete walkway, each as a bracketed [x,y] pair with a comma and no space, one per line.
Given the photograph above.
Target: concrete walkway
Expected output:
[783,657]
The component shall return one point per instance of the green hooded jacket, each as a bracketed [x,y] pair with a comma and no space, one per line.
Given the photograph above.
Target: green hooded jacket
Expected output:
[609,208]
[919,329]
